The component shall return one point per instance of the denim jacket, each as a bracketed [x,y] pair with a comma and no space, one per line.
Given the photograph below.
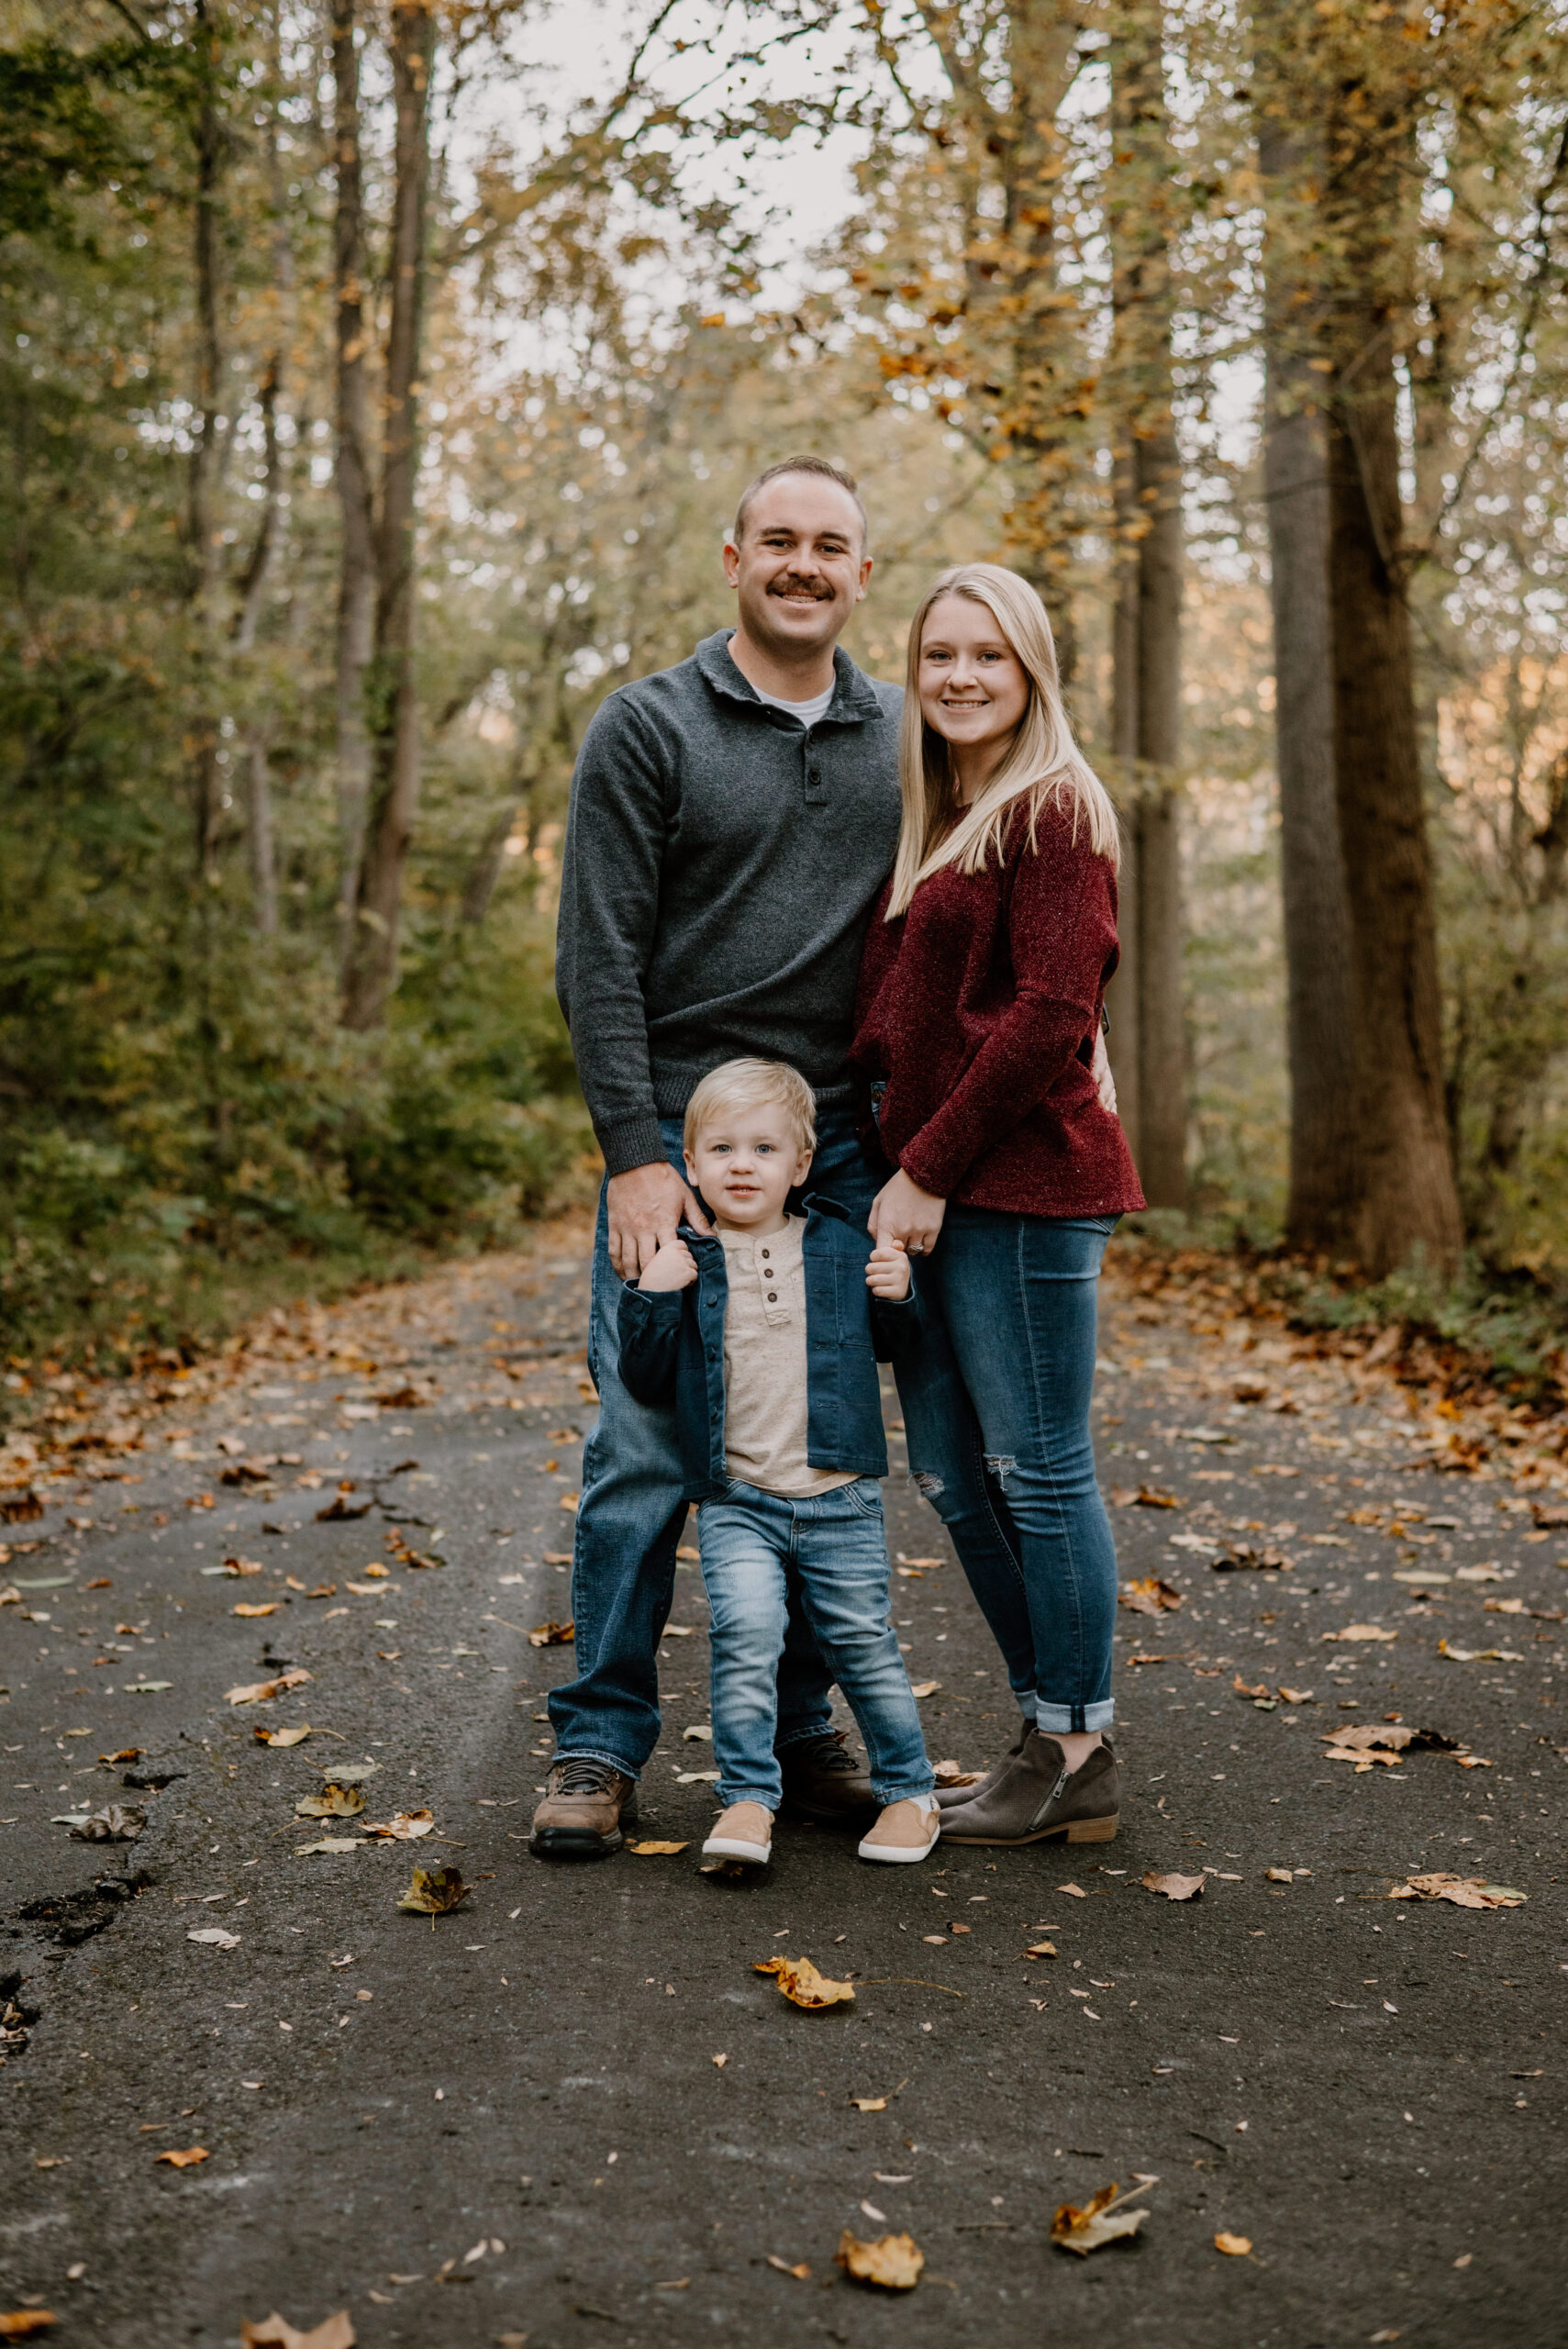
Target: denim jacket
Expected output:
[672,1349]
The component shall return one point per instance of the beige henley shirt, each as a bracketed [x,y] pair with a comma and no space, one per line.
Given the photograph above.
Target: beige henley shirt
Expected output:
[764,1364]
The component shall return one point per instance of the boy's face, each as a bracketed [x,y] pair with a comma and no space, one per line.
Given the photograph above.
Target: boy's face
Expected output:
[745,1164]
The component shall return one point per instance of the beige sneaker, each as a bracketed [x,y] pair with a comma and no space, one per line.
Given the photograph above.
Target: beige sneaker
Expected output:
[744,1831]
[906,1830]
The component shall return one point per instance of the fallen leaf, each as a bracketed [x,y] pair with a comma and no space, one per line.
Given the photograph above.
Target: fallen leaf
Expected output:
[551,1635]
[804,1986]
[216,1937]
[923,1687]
[187,2160]
[260,1691]
[433,1892]
[1296,1696]
[1149,1595]
[1361,1632]
[333,1802]
[1233,2247]
[282,1736]
[126,1753]
[1243,1690]
[340,1509]
[1240,1557]
[1503,1606]
[1040,1949]
[271,1607]
[800,2269]
[404,1826]
[719,2062]
[328,1843]
[1102,2219]
[1173,1886]
[891,2261]
[1471,1761]
[952,1774]
[655,1850]
[1465,1892]
[364,1590]
[1280,1875]
[869,2103]
[1479,1656]
[1150,1496]
[275,2332]
[1073,1891]
[115,1823]
[234,1568]
[20,2324]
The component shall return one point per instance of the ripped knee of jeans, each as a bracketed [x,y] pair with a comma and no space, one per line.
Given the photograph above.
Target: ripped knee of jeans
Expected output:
[929,1487]
[1001,1466]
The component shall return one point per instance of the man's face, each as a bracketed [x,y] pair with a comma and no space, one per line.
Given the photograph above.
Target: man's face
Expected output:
[801,568]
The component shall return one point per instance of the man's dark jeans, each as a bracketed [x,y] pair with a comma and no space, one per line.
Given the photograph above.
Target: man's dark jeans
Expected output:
[631,1513]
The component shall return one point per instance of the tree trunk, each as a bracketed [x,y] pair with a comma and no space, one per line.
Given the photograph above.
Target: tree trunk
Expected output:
[1149,611]
[371,967]
[356,579]
[206,542]
[1325,1137]
[1408,1203]
[1123,1043]
[259,829]
[479,885]
[257,732]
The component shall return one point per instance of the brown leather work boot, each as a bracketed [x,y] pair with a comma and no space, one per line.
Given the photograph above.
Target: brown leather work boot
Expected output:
[585,1804]
[1035,1795]
[949,1797]
[825,1781]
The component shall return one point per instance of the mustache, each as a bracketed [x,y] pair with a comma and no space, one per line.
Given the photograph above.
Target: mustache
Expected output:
[794,584]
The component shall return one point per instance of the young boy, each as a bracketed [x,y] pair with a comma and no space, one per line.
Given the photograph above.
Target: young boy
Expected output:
[767,1337]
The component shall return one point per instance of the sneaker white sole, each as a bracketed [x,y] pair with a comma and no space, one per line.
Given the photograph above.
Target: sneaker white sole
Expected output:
[902,1854]
[730,1847]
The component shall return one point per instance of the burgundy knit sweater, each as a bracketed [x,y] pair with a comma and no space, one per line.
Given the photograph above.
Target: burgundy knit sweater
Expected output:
[979,1007]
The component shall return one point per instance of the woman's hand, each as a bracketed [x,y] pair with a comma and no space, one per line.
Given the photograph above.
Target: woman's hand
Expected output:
[887,1272]
[904,1214]
[1100,1070]
[672,1267]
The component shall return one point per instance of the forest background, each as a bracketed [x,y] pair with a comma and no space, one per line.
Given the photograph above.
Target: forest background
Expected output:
[377,378]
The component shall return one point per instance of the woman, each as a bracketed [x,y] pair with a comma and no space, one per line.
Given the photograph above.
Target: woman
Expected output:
[979,1006]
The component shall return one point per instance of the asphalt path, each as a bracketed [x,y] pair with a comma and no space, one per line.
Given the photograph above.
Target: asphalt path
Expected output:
[571,2110]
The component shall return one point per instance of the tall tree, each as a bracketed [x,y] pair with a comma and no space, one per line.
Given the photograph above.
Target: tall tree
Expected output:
[1147,674]
[1408,1202]
[356,499]
[371,965]
[1325,1181]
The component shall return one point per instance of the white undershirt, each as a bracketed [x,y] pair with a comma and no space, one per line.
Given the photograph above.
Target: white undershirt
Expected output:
[808,712]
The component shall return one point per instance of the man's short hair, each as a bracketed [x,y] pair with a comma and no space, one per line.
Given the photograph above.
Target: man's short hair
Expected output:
[745,1085]
[823,471]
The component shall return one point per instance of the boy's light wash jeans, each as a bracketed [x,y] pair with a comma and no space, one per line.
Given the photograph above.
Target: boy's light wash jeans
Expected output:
[832,1549]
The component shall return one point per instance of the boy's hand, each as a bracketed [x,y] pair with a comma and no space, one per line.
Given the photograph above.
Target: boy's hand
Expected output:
[672,1267]
[887,1271]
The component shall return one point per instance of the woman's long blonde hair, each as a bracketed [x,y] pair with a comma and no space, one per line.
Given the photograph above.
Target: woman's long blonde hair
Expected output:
[1042,762]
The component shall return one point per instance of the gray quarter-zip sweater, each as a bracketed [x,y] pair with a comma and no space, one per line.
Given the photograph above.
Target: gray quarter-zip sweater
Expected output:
[720,865]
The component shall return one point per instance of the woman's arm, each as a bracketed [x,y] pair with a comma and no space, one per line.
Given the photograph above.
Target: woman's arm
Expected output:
[1061,934]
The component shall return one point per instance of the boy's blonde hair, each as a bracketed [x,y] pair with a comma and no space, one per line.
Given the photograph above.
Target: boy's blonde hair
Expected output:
[743,1085]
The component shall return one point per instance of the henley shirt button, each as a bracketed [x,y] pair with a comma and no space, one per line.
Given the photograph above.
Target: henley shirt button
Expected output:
[773,1296]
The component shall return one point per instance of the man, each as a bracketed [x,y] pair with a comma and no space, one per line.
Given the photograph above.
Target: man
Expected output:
[731,821]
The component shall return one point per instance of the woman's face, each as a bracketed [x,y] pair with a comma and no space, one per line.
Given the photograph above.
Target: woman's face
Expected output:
[974,689]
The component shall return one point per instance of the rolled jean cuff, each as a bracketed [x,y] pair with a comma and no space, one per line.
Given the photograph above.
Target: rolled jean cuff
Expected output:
[886,1791]
[1054,1718]
[595,1753]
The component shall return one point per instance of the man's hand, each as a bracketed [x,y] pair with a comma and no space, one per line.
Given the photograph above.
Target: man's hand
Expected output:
[905,1214]
[671,1268]
[887,1272]
[645,1206]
